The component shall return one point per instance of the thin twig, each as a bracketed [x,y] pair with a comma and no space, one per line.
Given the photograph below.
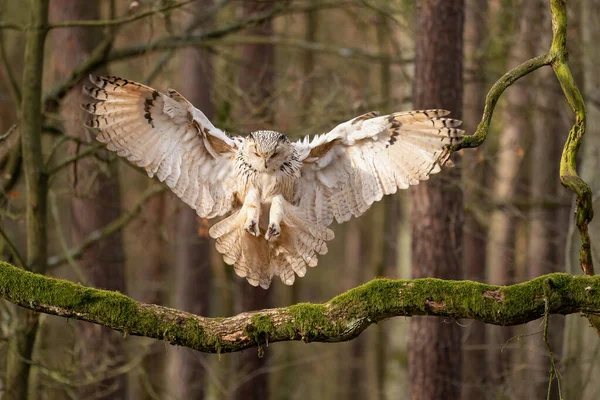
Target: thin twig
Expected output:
[554,373]
[10,26]
[101,56]
[61,238]
[19,261]
[114,226]
[118,21]
[13,86]
[65,163]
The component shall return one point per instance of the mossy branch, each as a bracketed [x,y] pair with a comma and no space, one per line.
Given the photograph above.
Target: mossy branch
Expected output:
[340,319]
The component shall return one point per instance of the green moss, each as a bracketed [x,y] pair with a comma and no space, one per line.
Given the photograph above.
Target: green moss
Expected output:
[260,329]
[342,318]
[309,321]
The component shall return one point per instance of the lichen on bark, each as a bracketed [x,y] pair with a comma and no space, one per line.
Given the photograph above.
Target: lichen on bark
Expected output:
[342,318]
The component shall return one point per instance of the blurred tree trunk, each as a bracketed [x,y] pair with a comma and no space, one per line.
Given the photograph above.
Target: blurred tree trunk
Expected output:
[352,359]
[389,264]
[150,271]
[474,177]
[503,222]
[257,82]
[437,205]
[95,203]
[580,364]
[193,277]
[545,240]
[22,341]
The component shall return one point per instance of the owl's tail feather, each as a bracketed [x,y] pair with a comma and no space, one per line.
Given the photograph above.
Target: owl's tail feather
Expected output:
[298,245]
[248,254]
[258,260]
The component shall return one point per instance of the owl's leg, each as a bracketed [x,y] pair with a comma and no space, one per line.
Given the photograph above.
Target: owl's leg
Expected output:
[252,205]
[275,217]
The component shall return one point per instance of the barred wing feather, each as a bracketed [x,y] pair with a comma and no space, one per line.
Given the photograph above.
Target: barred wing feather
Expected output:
[169,138]
[370,156]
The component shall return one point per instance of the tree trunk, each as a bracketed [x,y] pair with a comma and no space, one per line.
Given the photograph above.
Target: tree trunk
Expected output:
[21,344]
[94,204]
[150,272]
[437,216]
[474,364]
[502,229]
[257,82]
[193,277]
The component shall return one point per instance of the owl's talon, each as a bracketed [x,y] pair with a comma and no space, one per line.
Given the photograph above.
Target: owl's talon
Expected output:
[252,228]
[273,231]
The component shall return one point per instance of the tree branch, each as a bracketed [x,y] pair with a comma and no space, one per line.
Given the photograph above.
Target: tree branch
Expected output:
[340,319]
[103,54]
[493,96]
[109,229]
[119,21]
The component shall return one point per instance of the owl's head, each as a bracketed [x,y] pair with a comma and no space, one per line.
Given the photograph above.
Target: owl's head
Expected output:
[267,151]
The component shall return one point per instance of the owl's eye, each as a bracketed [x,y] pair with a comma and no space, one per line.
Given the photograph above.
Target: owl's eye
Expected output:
[274,154]
[256,154]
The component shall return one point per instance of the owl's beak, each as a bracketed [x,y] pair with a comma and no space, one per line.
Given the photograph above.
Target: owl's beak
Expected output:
[265,164]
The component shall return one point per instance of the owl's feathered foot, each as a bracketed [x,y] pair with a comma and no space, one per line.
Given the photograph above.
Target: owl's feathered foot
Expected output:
[252,207]
[252,227]
[273,231]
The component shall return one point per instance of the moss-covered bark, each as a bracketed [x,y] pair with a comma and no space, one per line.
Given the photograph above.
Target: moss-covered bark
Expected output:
[340,319]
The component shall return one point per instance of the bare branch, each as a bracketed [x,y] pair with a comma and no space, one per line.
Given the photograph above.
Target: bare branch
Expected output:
[9,26]
[13,86]
[344,52]
[340,319]
[109,229]
[65,163]
[119,21]
[12,248]
[101,55]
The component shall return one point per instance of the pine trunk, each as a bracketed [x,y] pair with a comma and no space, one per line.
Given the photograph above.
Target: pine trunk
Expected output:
[437,205]
[193,277]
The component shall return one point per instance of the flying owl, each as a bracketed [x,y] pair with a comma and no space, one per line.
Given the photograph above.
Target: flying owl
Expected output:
[279,196]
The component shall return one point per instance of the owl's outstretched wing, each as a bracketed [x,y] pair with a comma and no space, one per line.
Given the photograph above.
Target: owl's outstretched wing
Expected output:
[346,170]
[169,138]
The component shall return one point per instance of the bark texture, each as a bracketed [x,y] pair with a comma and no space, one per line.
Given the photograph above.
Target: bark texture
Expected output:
[342,318]
[95,201]
[193,278]
[21,343]
[437,206]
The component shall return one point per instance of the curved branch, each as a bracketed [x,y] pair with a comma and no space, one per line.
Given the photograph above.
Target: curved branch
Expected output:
[494,94]
[340,319]
[568,161]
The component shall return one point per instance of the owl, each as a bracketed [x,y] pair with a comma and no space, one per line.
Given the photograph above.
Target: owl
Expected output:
[278,197]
